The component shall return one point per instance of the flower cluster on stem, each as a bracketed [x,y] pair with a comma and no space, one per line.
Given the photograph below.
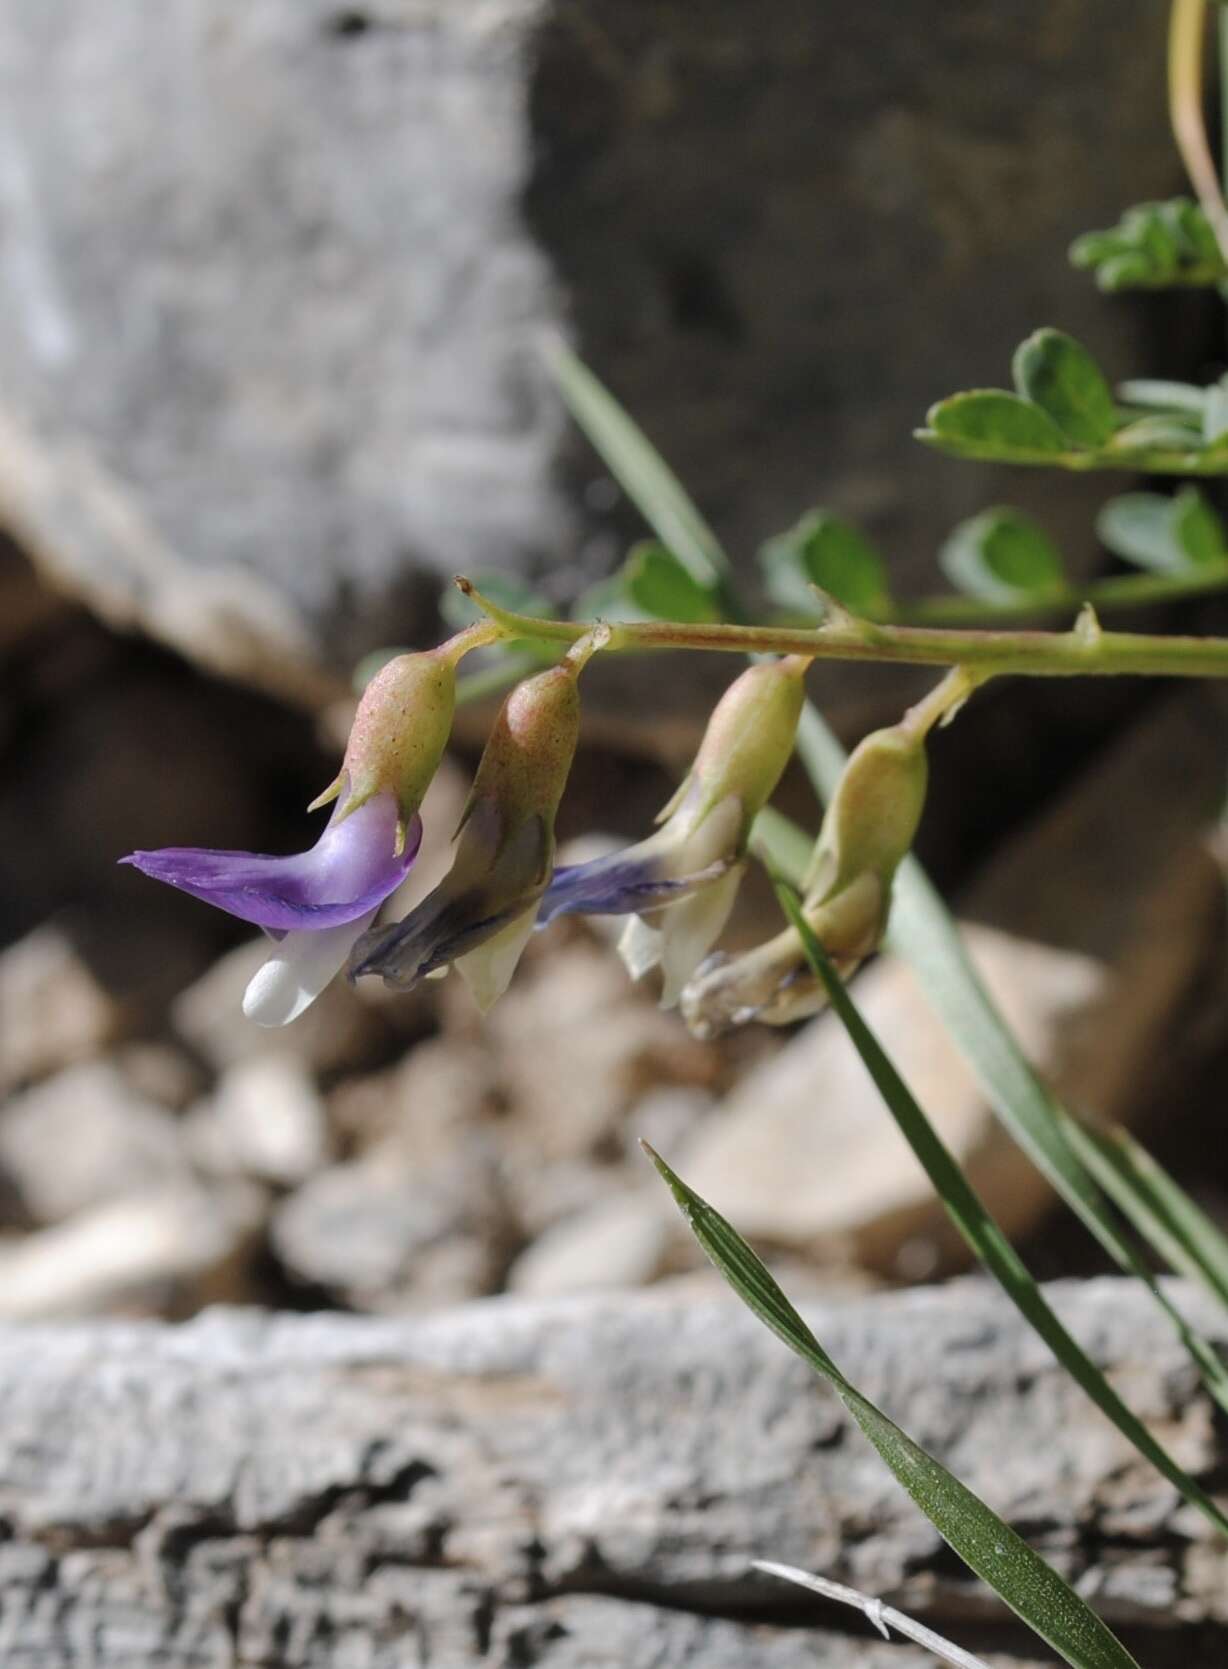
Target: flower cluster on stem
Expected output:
[676,887]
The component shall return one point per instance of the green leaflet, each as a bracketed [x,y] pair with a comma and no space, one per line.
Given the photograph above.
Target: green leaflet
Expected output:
[823,550]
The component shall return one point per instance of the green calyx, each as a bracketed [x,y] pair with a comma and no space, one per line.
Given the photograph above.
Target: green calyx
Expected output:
[873,816]
[747,744]
[526,762]
[398,736]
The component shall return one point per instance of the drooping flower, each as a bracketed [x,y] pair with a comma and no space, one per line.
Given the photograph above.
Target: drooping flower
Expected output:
[846,893]
[314,904]
[479,918]
[678,886]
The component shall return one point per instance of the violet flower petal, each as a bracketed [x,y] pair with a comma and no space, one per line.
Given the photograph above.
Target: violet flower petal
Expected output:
[348,872]
[622,884]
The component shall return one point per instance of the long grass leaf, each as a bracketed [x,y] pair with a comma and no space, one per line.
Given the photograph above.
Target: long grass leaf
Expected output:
[639,468]
[1162,1212]
[979,1228]
[991,1549]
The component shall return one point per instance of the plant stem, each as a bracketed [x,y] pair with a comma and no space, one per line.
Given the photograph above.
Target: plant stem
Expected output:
[1082,651]
[1118,591]
[1187,26]
[882,1616]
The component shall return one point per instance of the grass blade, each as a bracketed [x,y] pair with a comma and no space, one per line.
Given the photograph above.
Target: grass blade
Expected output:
[980,1230]
[1162,1212]
[638,468]
[990,1548]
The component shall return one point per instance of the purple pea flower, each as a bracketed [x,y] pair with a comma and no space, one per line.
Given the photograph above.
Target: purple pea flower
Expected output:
[314,904]
[480,916]
[678,886]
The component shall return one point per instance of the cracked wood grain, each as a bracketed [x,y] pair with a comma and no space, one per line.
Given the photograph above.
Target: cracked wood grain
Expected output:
[574,1484]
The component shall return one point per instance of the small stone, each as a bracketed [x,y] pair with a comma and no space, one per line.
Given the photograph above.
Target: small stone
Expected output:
[577,1046]
[164,1250]
[265,1120]
[52,1010]
[665,1118]
[159,1072]
[440,1089]
[803,1154]
[84,1138]
[622,1242]
[387,1232]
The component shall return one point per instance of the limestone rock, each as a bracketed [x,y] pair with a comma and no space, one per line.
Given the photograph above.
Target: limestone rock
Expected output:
[162,1250]
[578,1045]
[52,1010]
[275,292]
[265,1120]
[82,1139]
[621,1242]
[393,1229]
[804,1154]
[572,1484]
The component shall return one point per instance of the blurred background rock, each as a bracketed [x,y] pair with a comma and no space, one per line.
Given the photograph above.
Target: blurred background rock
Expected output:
[275,281]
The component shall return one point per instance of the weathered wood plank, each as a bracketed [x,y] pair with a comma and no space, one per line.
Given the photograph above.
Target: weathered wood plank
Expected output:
[572,1484]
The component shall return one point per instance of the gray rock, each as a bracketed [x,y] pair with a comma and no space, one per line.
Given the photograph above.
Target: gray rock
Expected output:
[395,1229]
[576,1484]
[265,1120]
[275,278]
[84,1138]
[621,1241]
[52,1010]
[804,1153]
[160,1250]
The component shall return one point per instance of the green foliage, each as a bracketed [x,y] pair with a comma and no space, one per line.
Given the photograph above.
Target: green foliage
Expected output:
[1154,246]
[981,1232]
[1001,555]
[1162,1212]
[1058,374]
[822,550]
[1177,535]
[660,587]
[990,423]
[639,469]
[1033,1589]
[1063,413]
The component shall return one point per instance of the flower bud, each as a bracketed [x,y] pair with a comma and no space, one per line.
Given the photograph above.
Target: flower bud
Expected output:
[867,831]
[399,733]
[481,914]
[873,816]
[748,741]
